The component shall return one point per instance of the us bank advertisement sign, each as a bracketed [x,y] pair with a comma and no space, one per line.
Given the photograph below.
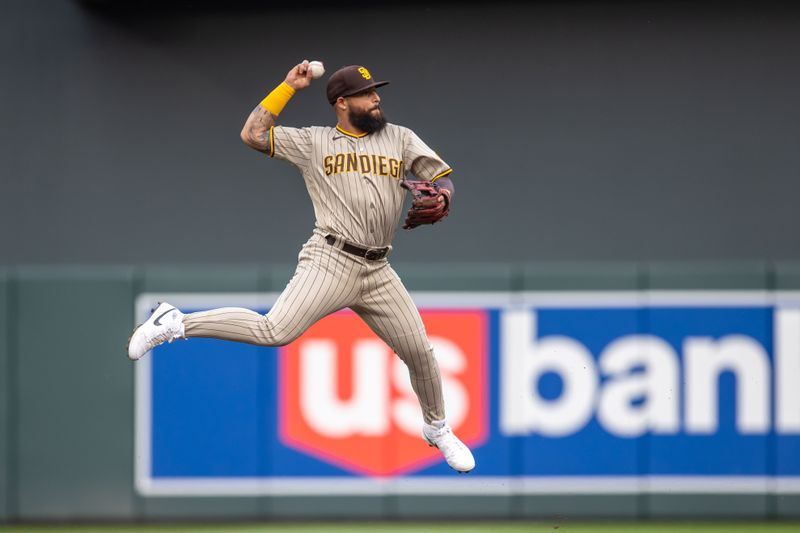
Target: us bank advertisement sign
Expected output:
[554,392]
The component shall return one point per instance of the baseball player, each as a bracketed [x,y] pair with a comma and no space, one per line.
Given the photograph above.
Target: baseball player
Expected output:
[355,174]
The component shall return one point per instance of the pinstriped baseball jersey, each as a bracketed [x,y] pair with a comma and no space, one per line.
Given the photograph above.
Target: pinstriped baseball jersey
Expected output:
[354,180]
[354,184]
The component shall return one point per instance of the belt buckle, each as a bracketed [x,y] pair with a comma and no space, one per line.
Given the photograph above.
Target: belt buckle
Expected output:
[374,255]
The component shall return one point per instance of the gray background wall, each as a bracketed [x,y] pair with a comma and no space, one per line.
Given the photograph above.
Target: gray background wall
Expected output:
[578,130]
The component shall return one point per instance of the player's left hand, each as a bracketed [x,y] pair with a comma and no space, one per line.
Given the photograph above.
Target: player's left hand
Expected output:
[430,203]
[299,77]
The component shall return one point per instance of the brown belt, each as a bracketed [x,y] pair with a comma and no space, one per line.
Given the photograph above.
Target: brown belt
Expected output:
[372,254]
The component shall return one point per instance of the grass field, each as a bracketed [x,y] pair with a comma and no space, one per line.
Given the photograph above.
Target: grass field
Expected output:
[423,527]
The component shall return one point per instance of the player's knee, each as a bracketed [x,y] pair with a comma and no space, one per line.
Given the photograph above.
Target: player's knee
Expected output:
[283,337]
[420,360]
[271,336]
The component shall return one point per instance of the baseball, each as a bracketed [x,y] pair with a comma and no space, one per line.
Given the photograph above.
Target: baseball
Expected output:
[317,69]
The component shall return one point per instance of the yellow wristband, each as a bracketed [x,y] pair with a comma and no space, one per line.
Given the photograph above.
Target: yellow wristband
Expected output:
[277,99]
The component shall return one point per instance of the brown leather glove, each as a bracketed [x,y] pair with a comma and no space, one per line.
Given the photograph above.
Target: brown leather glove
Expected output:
[429,203]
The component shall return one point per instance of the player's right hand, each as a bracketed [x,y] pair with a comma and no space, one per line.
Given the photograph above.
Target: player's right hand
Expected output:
[299,77]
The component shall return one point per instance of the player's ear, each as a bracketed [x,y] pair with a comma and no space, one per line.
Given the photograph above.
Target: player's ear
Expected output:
[341,103]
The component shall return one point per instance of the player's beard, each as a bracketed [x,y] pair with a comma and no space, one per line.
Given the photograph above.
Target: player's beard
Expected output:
[366,121]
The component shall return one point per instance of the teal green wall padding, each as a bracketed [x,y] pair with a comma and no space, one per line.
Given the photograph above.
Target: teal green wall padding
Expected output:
[66,394]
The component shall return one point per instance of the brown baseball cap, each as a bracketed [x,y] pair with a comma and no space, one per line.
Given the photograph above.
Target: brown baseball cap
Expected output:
[351,80]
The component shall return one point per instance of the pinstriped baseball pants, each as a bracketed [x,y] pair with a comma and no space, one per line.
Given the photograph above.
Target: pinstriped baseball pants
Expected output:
[328,279]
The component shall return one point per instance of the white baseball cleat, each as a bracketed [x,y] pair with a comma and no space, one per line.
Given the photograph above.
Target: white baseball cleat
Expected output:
[455,452]
[164,325]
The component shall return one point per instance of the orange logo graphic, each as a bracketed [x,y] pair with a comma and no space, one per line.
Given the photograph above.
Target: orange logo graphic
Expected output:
[346,399]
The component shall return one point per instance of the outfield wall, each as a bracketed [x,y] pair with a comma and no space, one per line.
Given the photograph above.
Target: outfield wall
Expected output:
[68,405]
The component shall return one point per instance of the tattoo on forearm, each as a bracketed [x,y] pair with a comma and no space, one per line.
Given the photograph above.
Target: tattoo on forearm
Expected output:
[256,129]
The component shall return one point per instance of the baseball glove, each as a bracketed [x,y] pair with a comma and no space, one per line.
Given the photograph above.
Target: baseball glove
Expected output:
[429,203]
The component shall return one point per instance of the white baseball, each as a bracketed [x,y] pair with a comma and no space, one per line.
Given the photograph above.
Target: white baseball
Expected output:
[317,69]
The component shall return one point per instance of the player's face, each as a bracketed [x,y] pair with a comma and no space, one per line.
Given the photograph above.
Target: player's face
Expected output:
[364,111]
[366,102]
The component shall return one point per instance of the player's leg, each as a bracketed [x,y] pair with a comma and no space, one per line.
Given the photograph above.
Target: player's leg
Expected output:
[326,280]
[387,308]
